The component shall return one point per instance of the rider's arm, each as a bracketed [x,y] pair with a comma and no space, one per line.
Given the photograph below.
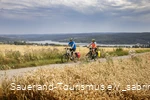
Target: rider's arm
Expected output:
[89,45]
[95,44]
[72,45]
[69,45]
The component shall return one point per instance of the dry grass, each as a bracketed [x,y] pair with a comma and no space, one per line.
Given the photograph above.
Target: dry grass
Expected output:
[24,48]
[14,56]
[123,72]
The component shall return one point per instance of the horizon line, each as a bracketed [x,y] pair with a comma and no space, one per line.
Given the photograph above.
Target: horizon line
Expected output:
[71,33]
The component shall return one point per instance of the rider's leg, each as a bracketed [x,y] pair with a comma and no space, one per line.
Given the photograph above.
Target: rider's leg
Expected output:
[72,51]
[95,50]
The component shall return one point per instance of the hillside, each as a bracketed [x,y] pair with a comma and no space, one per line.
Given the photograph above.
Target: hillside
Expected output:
[104,38]
[3,39]
[8,39]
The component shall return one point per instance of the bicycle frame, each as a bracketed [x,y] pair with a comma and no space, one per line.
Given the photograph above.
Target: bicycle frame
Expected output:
[91,54]
[68,55]
[68,52]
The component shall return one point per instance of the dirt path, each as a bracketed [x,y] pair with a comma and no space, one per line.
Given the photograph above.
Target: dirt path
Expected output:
[17,72]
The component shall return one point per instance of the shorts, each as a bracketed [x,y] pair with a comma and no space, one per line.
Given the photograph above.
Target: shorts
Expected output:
[72,50]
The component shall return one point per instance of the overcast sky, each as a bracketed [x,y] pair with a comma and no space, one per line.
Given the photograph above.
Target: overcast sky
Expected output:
[73,16]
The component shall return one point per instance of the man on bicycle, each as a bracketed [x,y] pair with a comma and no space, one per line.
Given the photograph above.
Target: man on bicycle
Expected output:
[72,44]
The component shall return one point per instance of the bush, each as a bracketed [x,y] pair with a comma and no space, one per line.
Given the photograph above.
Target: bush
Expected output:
[142,51]
[118,52]
[119,49]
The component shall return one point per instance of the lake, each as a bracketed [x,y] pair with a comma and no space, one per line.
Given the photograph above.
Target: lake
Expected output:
[55,42]
[80,44]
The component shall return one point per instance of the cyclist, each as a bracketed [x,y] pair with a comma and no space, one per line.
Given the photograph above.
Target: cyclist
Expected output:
[72,44]
[93,45]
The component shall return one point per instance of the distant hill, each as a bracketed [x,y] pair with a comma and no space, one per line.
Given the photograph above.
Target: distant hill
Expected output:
[8,39]
[104,38]
[4,39]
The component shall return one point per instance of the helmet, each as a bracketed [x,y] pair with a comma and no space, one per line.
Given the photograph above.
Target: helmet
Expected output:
[71,39]
[93,40]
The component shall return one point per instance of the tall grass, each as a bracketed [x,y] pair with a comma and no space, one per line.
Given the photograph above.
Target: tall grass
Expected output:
[142,51]
[12,56]
[123,72]
[15,59]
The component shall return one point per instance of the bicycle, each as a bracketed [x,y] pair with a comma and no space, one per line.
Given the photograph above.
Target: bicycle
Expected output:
[92,54]
[68,56]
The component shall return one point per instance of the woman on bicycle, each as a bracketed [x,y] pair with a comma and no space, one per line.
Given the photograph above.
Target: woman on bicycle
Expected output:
[93,45]
[93,50]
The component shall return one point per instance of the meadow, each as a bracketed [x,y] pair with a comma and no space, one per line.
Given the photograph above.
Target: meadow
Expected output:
[85,81]
[19,56]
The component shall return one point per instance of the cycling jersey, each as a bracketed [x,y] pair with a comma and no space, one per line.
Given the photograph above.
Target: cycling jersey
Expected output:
[93,44]
[72,44]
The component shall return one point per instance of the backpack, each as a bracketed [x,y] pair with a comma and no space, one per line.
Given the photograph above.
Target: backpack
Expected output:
[78,54]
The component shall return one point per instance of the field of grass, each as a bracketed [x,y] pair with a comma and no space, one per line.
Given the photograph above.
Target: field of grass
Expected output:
[109,78]
[24,56]
[12,56]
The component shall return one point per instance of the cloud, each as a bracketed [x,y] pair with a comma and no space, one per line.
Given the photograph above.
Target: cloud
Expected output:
[83,6]
[93,14]
[30,9]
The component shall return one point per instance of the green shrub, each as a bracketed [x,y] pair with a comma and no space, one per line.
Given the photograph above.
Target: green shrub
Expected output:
[142,51]
[119,49]
[118,52]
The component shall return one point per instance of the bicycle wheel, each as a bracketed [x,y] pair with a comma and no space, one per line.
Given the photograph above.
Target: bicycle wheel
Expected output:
[64,58]
[75,59]
[95,56]
[88,57]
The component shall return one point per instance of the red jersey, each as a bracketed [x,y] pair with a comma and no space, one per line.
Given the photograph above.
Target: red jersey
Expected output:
[93,44]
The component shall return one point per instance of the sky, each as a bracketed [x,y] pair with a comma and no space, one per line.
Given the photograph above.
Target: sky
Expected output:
[73,16]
